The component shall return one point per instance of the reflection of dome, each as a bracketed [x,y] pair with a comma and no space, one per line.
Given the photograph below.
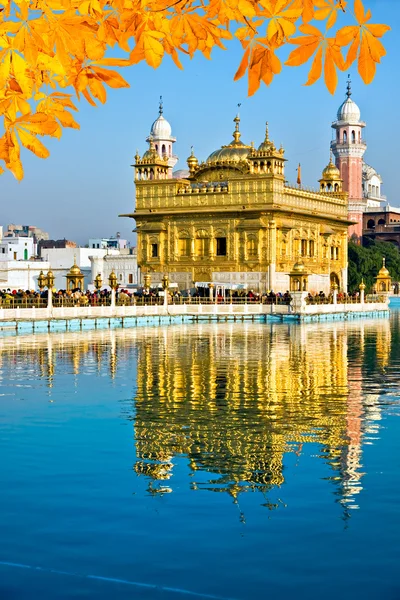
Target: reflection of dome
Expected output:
[235,152]
[161,129]
[349,112]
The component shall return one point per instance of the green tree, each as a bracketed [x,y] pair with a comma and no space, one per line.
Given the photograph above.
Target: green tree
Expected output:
[366,261]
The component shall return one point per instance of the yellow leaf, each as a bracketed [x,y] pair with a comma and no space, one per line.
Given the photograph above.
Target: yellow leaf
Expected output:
[31,142]
[111,78]
[97,89]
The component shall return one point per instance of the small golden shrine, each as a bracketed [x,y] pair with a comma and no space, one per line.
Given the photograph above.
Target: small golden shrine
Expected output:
[75,278]
[383,281]
[298,278]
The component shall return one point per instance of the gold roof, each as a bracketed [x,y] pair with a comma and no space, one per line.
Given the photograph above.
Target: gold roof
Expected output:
[75,270]
[384,272]
[267,145]
[234,152]
[331,172]
[299,268]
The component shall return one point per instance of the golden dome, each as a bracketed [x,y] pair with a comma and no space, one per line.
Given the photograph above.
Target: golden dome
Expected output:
[267,145]
[235,152]
[192,160]
[75,270]
[331,172]
[299,268]
[384,272]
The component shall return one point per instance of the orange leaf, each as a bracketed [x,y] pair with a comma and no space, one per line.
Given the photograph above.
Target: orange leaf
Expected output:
[316,68]
[366,64]
[330,74]
[243,65]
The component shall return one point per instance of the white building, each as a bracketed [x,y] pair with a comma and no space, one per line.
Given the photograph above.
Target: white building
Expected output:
[371,182]
[114,243]
[17,248]
[21,274]
[124,266]
[62,259]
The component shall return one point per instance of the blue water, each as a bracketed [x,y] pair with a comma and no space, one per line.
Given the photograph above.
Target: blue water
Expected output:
[233,461]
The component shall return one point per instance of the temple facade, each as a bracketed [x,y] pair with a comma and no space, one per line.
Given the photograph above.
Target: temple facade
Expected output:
[234,220]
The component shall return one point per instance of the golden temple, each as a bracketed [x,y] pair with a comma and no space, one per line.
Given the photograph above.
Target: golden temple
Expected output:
[235,220]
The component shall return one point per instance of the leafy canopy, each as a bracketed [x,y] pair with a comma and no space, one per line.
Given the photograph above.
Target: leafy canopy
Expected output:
[366,261]
[52,50]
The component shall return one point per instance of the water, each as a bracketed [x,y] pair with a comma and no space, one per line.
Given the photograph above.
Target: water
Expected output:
[235,461]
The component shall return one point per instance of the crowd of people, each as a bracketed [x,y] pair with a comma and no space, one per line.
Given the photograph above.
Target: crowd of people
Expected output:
[76,297]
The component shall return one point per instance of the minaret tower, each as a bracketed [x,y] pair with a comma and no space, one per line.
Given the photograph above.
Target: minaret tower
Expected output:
[348,148]
[160,135]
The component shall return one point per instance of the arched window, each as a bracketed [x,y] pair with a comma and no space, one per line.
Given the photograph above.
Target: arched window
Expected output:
[120,276]
[371,224]
[344,137]
[311,247]
[25,254]
[304,247]
[336,187]
[322,187]
[130,278]
[163,150]
[338,135]
[157,147]
[381,222]
[353,137]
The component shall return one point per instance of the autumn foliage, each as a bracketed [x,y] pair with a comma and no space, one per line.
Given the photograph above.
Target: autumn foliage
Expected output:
[53,50]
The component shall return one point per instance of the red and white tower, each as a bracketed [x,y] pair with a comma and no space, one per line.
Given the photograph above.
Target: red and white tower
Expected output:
[348,148]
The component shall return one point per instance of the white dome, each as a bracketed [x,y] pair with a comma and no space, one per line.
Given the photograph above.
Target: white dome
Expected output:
[349,112]
[161,129]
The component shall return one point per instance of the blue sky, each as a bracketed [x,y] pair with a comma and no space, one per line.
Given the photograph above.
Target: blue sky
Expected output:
[79,191]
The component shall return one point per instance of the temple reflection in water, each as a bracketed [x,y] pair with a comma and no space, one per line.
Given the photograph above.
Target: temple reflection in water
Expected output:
[235,400]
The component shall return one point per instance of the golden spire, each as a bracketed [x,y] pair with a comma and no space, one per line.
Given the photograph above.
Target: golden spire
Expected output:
[236,133]
[266,133]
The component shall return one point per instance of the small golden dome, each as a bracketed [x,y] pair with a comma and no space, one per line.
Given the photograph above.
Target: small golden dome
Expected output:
[267,145]
[331,172]
[299,268]
[192,160]
[384,272]
[75,270]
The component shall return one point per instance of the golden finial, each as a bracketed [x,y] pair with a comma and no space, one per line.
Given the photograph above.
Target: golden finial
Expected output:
[236,120]
[266,132]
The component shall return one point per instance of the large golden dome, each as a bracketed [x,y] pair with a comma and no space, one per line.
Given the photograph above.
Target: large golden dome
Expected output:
[234,153]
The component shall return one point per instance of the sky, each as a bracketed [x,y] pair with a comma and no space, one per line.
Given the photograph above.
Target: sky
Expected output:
[78,192]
